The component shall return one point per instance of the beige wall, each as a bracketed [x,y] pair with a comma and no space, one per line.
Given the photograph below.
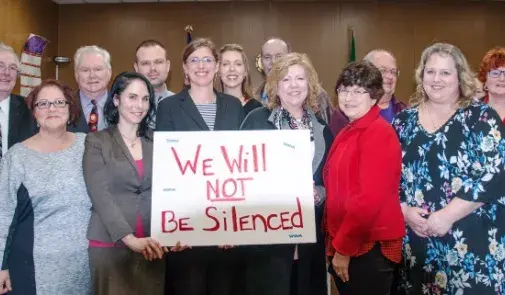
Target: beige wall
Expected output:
[19,18]
[319,29]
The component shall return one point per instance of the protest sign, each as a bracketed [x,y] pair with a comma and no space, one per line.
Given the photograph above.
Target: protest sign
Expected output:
[233,188]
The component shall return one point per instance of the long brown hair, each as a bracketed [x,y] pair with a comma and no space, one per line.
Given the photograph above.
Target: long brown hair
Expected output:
[246,84]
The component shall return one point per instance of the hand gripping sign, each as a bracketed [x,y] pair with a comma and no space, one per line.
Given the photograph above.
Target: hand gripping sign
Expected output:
[233,188]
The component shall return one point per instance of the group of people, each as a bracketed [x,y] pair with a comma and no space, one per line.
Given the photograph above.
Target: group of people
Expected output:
[408,197]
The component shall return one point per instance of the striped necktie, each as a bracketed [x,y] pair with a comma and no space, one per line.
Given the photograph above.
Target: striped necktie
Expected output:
[93,117]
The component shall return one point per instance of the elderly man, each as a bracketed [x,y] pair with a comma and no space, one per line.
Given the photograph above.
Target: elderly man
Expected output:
[92,74]
[390,106]
[271,50]
[16,120]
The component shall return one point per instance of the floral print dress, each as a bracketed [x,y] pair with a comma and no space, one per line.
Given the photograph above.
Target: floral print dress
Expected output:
[465,158]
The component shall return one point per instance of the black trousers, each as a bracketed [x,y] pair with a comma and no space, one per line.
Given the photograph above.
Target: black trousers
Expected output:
[200,271]
[370,274]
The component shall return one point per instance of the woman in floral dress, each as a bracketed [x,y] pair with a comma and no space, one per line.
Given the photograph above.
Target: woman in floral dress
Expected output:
[453,182]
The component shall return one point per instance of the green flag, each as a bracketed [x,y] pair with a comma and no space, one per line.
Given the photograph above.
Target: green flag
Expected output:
[352,48]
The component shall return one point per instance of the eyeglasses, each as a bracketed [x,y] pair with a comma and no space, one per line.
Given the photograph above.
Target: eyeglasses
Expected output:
[8,69]
[207,60]
[496,73]
[392,72]
[355,92]
[45,104]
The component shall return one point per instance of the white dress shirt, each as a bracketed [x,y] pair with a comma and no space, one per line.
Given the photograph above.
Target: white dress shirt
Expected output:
[4,123]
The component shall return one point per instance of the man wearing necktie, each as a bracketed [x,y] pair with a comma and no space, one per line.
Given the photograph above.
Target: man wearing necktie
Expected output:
[93,72]
[152,62]
[16,121]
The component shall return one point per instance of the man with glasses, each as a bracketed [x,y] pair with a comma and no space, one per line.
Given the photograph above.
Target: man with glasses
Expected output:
[92,73]
[389,105]
[16,121]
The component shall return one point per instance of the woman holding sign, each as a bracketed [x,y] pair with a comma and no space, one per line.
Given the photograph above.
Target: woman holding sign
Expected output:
[199,107]
[292,86]
[117,171]
[364,221]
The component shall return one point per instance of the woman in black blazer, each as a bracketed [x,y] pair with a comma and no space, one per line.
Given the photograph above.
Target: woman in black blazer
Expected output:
[199,107]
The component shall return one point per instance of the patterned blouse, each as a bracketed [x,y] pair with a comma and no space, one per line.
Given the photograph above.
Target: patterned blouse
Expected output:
[464,158]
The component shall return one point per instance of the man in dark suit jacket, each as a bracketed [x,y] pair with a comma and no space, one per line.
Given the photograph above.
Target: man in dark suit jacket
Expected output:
[92,73]
[16,120]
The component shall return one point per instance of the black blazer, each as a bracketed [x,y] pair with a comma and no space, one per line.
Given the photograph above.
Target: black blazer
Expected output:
[179,113]
[22,124]
[81,125]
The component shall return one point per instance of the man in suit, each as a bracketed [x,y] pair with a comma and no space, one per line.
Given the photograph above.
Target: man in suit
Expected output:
[93,72]
[271,50]
[16,120]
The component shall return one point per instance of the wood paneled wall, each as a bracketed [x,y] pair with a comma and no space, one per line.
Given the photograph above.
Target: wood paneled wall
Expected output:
[19,18]
[318,28]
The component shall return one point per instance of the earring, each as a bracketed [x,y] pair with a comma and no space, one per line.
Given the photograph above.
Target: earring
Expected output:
[485,88]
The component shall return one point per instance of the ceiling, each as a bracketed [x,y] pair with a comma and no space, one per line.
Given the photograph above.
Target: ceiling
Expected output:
[125,1]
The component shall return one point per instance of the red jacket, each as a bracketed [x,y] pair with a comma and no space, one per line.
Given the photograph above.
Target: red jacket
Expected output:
[362,180]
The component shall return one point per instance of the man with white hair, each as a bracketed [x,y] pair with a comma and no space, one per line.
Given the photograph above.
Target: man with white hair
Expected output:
[16,120]
[93,72]
[272,50]
[389,104]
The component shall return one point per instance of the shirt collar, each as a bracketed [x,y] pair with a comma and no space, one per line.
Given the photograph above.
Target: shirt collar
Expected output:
[5,105]
[85,101]
[367,119]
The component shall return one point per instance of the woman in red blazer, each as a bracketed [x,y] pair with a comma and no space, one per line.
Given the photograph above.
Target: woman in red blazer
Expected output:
[364,222]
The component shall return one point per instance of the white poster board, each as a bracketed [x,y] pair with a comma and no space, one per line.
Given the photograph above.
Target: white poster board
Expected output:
[232,188]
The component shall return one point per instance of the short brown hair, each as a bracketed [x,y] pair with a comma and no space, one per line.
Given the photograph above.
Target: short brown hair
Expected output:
[280,70]
[149,43]
[246,84]
[362,74]
[69,94]
[199,43]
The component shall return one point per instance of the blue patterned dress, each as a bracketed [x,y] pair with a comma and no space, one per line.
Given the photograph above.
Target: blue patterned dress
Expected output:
[465,158]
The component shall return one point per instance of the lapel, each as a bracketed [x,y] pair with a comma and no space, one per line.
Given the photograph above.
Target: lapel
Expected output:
[189,107]
[220,112]
[319,143]
[355,126]
[147,158]
[15,113]
[116,136]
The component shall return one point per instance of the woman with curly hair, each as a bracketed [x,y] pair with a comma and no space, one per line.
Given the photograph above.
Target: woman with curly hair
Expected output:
[492,75]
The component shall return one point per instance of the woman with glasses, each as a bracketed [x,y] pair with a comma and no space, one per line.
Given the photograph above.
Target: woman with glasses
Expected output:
[389,104]
[45,207]
[199,107]
[492,76]
[451,189]
[363,219]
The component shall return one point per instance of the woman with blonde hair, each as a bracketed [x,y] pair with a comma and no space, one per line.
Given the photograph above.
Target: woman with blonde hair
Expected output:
[292,86]
[233,77]
[451,187]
